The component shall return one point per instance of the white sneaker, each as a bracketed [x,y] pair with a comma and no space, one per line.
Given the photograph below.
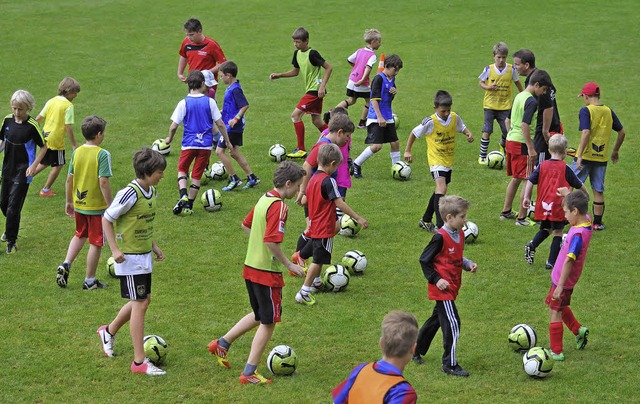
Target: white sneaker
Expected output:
[148,368]
[107,341]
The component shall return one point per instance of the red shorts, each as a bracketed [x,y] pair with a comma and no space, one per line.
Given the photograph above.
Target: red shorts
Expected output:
[517,163]
[558,304]
[310,104]
[90,226]
[201,157]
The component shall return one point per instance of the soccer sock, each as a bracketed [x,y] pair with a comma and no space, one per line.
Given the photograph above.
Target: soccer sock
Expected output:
[249,369]
[189,204]
[223,343]
[183,192]
[366,153]
[299,128]
[395,157]
[484,146]
[597,219]
[45,189]
[503,141]
[90,281]
[107,330]
[252,176]
[305,289]
[428,214]
[138,363]
[555,336]
[556,243]
[436,204]
[570,320]
[540,236]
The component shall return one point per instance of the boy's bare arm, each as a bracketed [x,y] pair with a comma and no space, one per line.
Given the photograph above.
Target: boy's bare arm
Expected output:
[110,235]
[365,75]
[105,188]
[322,91]
[69,196]
[278,254]
[172,133]
[616,146]
[342,205]
[291,73]
[408,157]
[72,139]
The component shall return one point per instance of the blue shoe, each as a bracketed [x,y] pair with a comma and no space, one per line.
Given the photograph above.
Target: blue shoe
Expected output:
[251,183]
[232,184]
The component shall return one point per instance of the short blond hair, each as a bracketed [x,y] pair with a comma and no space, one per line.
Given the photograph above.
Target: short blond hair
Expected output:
[500,48]
[23,98]
[399,333]
[558,144]
[329,152]
[452,205]
[371,35]
[68,85]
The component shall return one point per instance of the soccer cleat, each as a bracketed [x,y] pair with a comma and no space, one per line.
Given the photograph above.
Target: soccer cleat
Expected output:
[187,211]
[297,154]
[357,170]
[362,124]
[107,341]
[317,285]
[11,247]
[306,299]
[95,285]
[232,184]
[63,274]
[255,378]
[456,370]
[251,183]
[571,151]
[44,193]
[3,238]
[428,226]
[507,215]
[220,353]
[296,259]
[529,252]
[598,226]
[180,205]
[148,368]
[581,338]
[557,357]
[548,265]
[417,359]
[482,160]
[525,222]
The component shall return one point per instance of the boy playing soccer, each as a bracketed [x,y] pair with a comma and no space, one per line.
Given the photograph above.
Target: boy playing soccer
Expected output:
[322,198]
[198,113]
[596,123]
[440,131]
[88,194]
[308,62]
[566,272]
[233,111]
[550,175]
[132,245]
[442,263]
[263,263]
[521,153]
[362,61]
[59,116]
[380,125]
[382,381]
[496,80]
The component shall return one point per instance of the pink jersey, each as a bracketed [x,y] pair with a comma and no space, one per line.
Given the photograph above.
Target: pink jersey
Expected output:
[360,62]
[343,178]
[576,249]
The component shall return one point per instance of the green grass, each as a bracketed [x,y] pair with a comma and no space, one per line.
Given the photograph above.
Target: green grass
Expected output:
[125,55]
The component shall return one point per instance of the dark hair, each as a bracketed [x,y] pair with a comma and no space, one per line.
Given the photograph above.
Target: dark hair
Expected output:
[147,162]
[92,125]
[300,34]
[541,77]
[326,117]
[192,25]
[577,200]
[442,99]
[526,56]
[229,67]
[195,79]
[341,121]
[393,60]
[287,171]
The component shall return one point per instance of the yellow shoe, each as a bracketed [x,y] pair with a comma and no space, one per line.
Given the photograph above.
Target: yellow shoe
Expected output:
[255,378]
[297,154]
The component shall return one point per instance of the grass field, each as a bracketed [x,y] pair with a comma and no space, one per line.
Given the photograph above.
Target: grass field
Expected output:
[125,56]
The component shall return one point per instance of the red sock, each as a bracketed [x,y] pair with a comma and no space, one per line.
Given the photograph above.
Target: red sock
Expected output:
[555,336]
[299,127]
[324,127]
[570,320]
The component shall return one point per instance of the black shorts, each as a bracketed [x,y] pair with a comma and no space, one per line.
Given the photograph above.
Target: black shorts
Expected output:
[552,225]
[266,302]
[358,94]
[53,158]
[234,137]
[322,248]
[376,134]
[442,174]
[135,287]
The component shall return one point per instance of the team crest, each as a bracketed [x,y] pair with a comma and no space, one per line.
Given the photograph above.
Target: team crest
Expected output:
[141,290]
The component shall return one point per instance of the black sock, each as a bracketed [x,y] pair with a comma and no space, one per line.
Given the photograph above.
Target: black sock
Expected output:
[540,236]
[436,208]
[183,192]
[556,243]
[428,213]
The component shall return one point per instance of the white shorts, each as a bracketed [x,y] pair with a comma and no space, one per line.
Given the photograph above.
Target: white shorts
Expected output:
[135,264]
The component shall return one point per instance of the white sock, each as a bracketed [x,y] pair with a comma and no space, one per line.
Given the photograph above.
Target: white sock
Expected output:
[366,153]
[395,157]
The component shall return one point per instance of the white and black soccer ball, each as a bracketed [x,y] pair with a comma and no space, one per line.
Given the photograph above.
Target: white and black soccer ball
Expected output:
[396,121]
[218,172]
[277,153]
[211,200]
[155,348]
[348,226]
[522,337]
[537,362]
[401,171]
[161,147]
[532,210]
[111,267]
[495,160]
[335,278]
[355,261]
[470,231]
[282,360]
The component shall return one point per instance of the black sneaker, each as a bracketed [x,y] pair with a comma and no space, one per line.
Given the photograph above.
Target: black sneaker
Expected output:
[529,253]
[428,226]
[417,359]
[63,275]
[362,124]
[548,265]
[180,205]
[455,370]
[357,171]
[11,247]
[94,285]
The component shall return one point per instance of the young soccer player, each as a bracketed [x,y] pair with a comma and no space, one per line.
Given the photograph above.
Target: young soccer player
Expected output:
[521,153]
[233,112]
[362,61]
[200,53]
[129,229]
[596,123]
[380,125]
[308,62]
[440,131]
[442,263]
[323,197]
[550,175]
[59,116]
[382,381]
[197,113]
[88,194]
[496,80]
[19,136]
[263,263]
[566,272]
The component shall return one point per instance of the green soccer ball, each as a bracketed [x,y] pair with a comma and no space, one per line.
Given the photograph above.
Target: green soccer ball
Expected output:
[155,348]
[211,200]
[537,362]
[161,146]
[111,267]
[401,171]
[355,261]
[348,226]
[335,278]
[282,360]
[522,337]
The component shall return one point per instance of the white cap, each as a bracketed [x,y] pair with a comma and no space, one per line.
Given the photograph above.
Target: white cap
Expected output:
[209,80]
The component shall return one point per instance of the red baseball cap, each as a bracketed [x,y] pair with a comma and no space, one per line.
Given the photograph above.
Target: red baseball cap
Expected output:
[589,89]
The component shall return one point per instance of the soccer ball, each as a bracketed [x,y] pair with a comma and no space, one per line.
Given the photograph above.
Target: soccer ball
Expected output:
[495,160]
[532,210]
[348,226]
[277,153]
[111,267]
[211,200]
[522,337]
[537,362]
[470,230]
[161,147]
[335,278]
[355,261]
[282,360]
[401,171]
[155,348]
[218,172]
[396,121]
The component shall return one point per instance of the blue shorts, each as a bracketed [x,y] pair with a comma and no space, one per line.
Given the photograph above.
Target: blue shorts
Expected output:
[594,170]
[234,137]
[500,116]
